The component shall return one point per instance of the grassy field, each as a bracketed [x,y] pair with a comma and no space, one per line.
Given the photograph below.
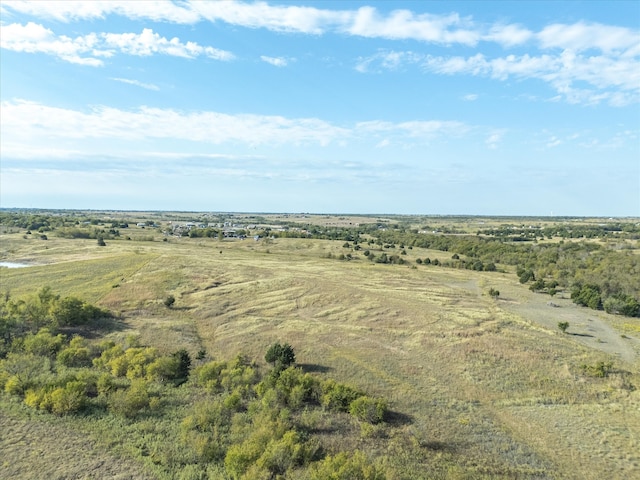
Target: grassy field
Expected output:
[480,387]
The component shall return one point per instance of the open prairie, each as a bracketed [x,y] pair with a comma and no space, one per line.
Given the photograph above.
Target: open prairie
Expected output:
[479,387]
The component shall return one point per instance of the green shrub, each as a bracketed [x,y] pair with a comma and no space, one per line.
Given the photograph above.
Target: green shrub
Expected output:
[39,399]
[622,305]
[206,429]
[368,409]
[106,384]
[283,454]
[15,385]
[346,466]
[337,396]
[600,369]
[163,369]
[75,357]
[68,399]
[44,343]
[208,375]
[128,403]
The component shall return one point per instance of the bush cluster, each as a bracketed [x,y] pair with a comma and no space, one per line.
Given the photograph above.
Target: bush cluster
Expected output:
[247,423]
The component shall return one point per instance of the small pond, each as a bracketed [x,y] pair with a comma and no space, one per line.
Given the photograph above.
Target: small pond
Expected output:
[14,265]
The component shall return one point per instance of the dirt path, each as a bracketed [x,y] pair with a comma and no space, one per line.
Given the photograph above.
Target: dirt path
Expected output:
[586,326]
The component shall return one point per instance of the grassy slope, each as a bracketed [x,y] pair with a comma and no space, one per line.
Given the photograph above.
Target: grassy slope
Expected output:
[34,450]
[488,386]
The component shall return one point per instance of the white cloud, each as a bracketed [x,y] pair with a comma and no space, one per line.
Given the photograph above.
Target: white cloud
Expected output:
[553,142]
[582,36]
[471,97]
[90,49]
[403,24]
[275,61]
[494,139]
[615,80]
[366,21]
[508,35]
[65,11]
[147,86]
[387,60]
[106,129]
[34,38]
[149,43]
[28,120]
[298,19]
[415,129]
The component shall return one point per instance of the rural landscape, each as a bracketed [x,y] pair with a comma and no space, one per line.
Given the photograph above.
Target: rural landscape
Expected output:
[319,240]
[194,345]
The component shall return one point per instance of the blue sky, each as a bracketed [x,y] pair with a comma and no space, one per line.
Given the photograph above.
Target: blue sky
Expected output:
[485,108]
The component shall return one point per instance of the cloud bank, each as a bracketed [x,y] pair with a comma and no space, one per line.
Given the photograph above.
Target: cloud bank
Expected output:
[91,49]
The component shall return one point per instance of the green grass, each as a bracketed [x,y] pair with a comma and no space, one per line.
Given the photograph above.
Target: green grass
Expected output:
[488,388]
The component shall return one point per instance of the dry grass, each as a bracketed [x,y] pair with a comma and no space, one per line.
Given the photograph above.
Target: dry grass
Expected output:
[35,450]
[490,387]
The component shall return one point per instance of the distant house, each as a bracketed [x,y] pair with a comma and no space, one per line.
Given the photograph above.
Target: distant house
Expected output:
[141,224]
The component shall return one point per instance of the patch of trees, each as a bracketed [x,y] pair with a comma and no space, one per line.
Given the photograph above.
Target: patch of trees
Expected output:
[230,418]
[93,233]
[243,427]
[618,230]
[204,232]
[19,317]
[547,267]
[388,259]
[48,220]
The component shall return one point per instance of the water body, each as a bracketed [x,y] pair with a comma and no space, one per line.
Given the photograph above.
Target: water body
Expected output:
[14,265]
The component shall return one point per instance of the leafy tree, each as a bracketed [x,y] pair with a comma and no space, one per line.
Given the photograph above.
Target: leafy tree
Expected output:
[587,296]
[563,326]
[169,301]
[493,293]
[280,356]
[183,361]
[490,267]
[43,343]
[69,311]
[77,354]
[538,285]
[526,275]
[623,305]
